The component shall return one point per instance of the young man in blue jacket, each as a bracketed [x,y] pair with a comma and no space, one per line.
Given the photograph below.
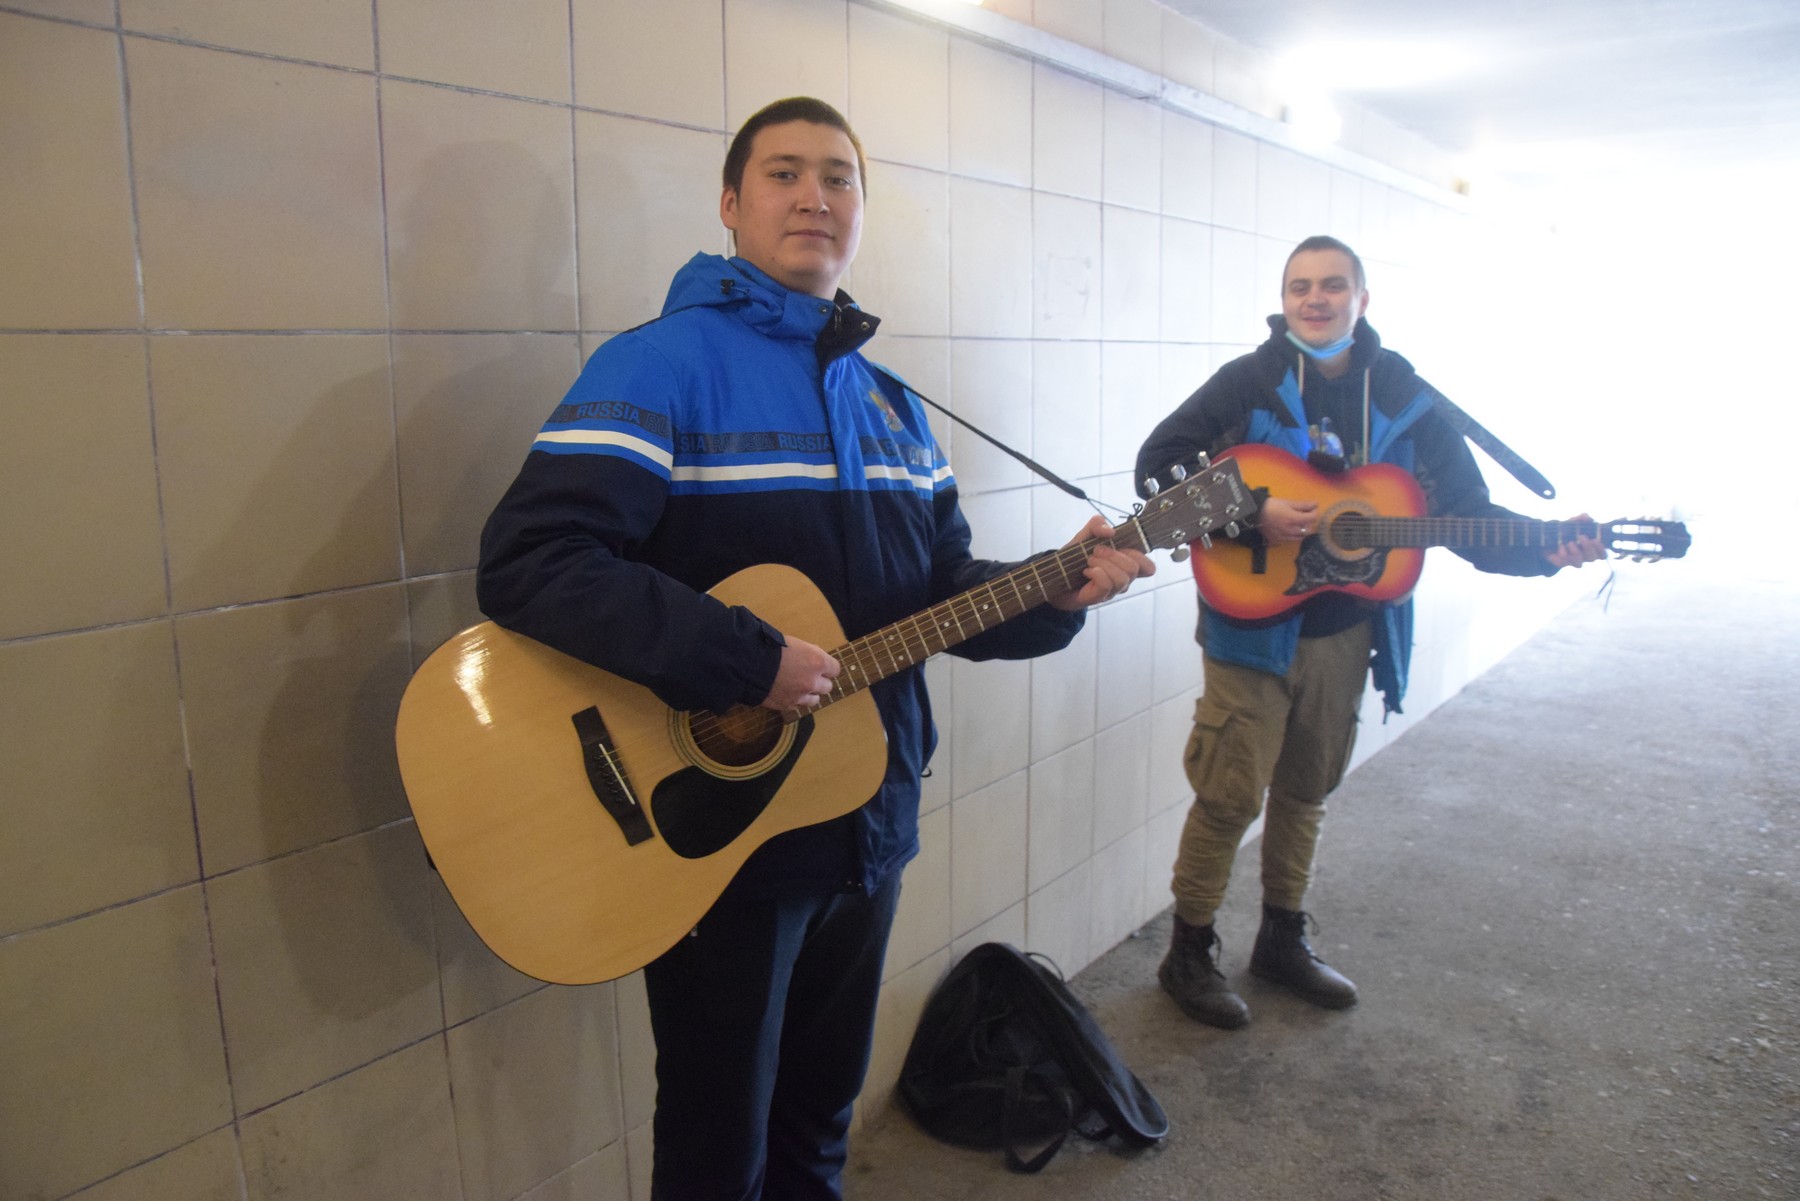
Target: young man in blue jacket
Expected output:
[744,427]
[1278,714]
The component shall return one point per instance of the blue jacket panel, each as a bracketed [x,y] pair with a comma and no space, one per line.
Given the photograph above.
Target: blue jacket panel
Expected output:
[743,427]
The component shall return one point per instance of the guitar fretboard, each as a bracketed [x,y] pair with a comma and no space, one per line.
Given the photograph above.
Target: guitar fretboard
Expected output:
[909,642]
[1356,531]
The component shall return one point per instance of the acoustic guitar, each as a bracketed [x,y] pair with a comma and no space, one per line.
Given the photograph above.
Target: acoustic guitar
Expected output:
[583,827]
[1371,538]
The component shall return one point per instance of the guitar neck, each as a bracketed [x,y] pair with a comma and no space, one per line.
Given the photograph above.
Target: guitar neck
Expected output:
[912,640]
[1356,531]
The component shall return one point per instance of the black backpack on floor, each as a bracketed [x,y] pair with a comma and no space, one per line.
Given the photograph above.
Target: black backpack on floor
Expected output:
[1005,1056]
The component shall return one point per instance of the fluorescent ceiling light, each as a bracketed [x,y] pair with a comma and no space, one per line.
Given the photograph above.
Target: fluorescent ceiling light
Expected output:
[1369,66]
[1313,119]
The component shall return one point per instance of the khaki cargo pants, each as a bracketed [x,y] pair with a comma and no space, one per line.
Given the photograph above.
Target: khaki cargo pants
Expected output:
[1255,733]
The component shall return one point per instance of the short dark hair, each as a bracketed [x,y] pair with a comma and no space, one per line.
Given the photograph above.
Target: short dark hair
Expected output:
[1325,242]
[794,108]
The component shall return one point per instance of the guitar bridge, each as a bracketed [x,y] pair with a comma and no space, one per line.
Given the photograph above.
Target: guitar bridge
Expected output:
[606,776]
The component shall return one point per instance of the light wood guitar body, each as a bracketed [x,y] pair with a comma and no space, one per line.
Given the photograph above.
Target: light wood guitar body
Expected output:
[582,826]
[499,785]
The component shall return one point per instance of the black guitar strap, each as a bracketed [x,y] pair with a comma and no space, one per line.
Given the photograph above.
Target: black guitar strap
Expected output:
[1039,468]
[1501,453]
[1459,420]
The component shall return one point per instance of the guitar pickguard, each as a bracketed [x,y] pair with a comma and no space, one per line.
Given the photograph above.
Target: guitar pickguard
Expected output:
[700,814]
[1316,567]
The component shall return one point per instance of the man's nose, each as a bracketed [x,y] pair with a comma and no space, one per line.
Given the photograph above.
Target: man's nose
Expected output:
[812,195]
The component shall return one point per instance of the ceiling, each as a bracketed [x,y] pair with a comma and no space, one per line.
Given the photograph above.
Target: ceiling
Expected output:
[1547,91]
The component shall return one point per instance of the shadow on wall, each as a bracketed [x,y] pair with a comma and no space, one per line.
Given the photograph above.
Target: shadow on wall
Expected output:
[326,669]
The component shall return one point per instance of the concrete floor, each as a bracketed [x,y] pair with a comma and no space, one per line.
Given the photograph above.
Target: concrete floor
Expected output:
[1569,900]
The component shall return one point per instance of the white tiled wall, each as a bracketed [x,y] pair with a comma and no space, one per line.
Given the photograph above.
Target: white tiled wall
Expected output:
[284,292]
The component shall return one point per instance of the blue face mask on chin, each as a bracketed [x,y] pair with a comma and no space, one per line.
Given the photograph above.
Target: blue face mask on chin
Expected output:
[1323,352]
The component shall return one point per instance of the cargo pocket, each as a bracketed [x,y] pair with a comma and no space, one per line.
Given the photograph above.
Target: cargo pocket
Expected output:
[1224,762]
[1201,759]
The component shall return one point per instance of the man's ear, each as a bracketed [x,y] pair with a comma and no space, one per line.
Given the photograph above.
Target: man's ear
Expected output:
[1362,306]
[728,203]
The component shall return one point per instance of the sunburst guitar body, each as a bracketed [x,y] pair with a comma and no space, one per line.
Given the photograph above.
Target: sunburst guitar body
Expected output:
[1371,538]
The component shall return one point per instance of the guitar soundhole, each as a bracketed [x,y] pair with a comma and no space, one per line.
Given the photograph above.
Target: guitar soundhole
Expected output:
[1350,531]
[739,738]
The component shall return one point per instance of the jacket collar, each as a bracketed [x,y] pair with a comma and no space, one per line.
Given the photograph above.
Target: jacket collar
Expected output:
[836,327]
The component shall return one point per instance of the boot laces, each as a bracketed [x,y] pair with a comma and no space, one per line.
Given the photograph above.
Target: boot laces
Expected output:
[1300,924]
[1209,946]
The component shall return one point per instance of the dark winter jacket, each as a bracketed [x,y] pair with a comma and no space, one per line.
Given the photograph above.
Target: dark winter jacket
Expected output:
[1259,398]
[743,427]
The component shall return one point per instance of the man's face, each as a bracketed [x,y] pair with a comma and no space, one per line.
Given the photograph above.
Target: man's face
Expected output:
[1320,298]
[798,213]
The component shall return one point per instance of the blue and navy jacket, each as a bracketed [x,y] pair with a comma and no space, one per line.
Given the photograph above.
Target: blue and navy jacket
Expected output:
[1268,396]
[745,427]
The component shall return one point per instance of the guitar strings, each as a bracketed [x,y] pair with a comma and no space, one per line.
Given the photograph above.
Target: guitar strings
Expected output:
[1459,531]
[876,656]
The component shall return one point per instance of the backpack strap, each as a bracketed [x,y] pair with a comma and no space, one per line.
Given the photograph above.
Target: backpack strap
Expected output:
[1009,1129]
[1100,1077]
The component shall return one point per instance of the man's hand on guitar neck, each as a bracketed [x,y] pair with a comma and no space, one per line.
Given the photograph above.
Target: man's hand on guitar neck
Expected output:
[1109,571]
[1582,550]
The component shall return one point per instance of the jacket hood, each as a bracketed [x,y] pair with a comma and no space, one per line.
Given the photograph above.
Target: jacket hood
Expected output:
[710,280]
[833,327]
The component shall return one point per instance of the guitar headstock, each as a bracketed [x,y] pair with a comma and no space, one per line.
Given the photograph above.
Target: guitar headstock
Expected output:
[1195,502]
[1646,539]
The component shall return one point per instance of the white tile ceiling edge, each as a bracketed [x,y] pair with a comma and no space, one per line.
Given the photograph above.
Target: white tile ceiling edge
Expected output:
[1035,45]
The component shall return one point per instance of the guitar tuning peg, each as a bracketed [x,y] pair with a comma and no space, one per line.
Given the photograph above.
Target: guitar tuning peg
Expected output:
[1151,487]
[1202,460]
[1178,473]
[1232,529]
[1179,554]
[1206,541]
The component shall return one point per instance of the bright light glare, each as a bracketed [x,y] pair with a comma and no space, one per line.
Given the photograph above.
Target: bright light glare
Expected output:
[1313,119]
[1308,76]
[1369,66]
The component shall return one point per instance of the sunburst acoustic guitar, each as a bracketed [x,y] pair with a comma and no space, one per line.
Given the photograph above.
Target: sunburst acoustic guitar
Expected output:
[1371,538]
[583,827]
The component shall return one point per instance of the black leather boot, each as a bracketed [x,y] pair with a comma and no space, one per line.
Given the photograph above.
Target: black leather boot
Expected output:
[1190,974]
[1282,956]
